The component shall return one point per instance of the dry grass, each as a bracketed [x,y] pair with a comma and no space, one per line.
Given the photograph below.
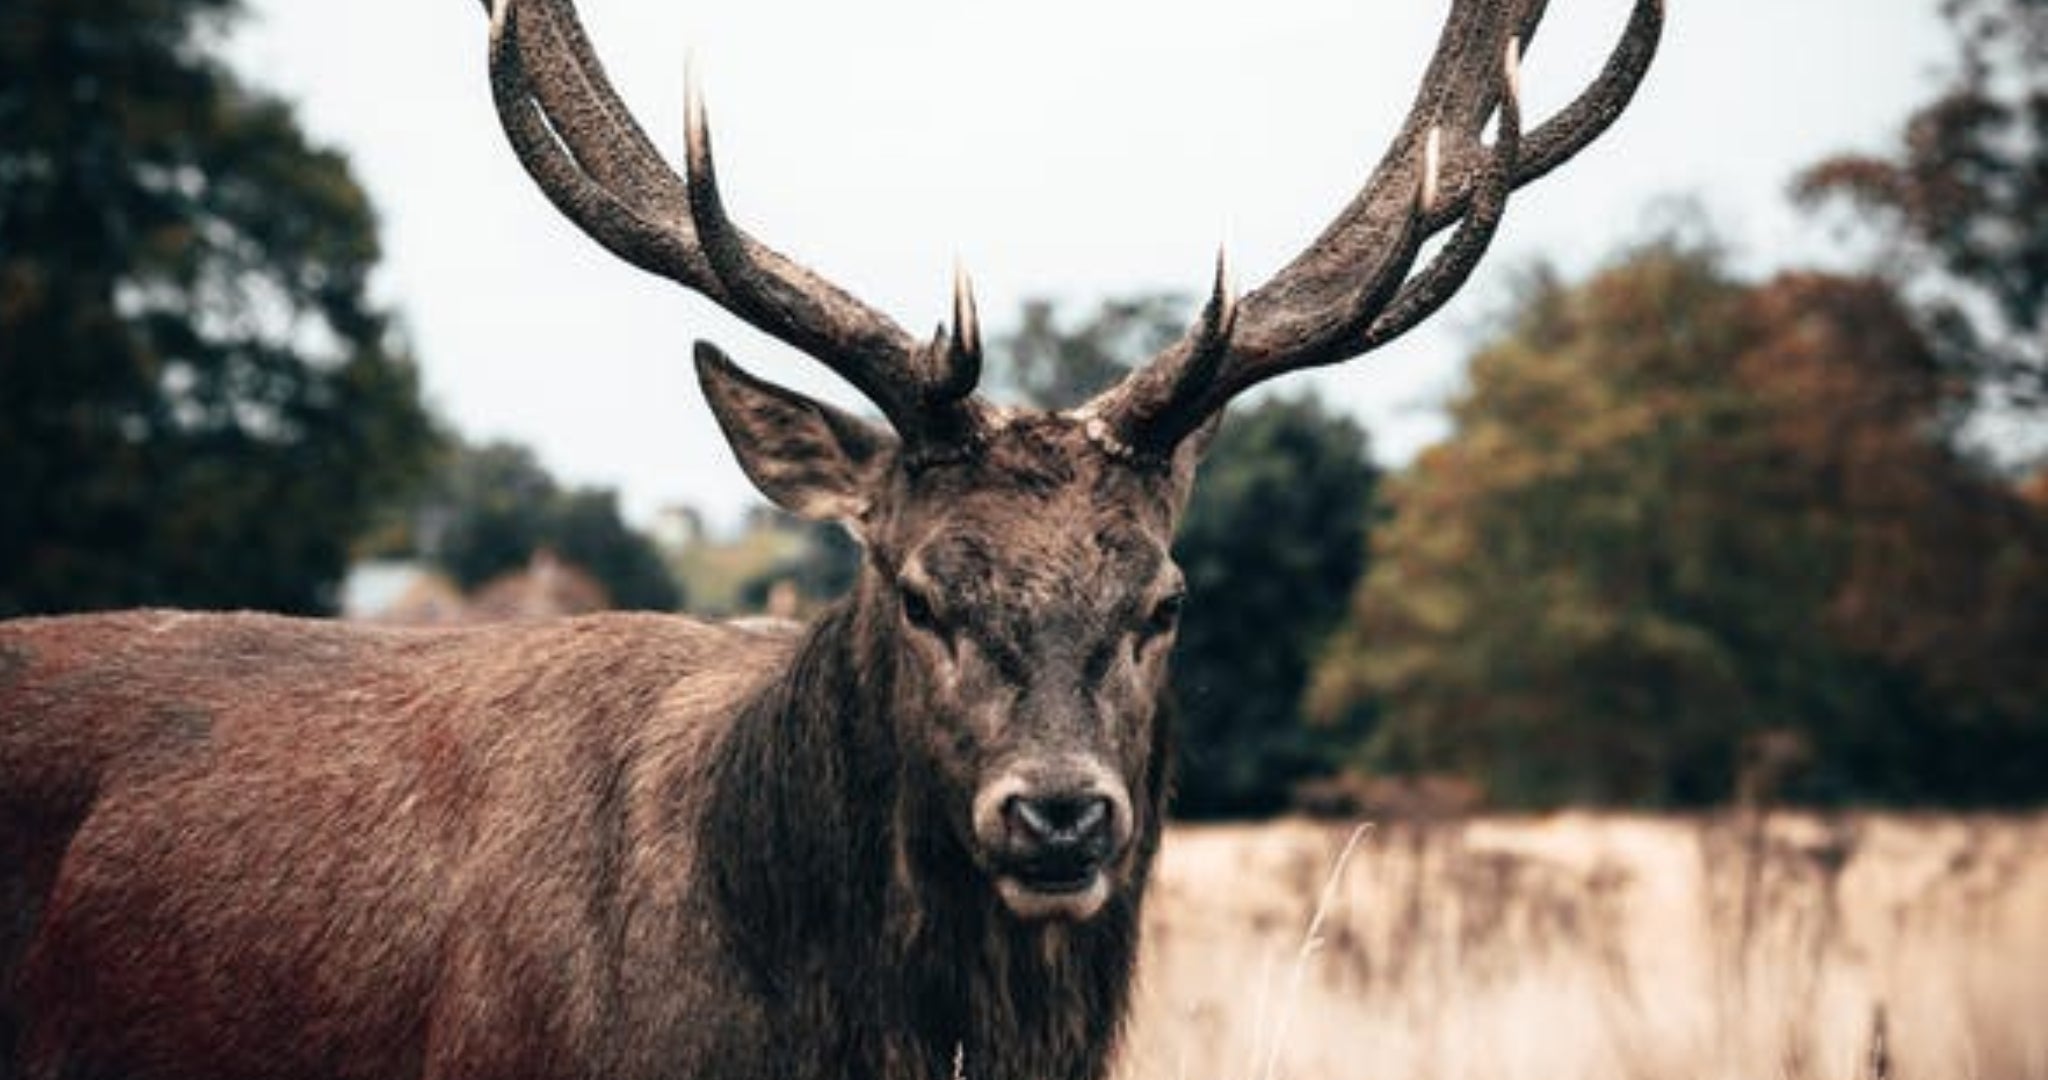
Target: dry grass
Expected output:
[1597,947]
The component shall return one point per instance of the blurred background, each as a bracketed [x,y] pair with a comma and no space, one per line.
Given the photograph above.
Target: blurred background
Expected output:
[1722,489]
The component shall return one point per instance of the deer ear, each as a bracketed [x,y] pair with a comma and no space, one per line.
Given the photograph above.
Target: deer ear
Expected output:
[809,458]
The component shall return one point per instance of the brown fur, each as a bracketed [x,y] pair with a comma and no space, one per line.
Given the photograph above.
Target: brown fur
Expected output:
[615,846]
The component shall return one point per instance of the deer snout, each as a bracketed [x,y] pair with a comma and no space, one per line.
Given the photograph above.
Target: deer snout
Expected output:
[1060,833]
[1048,838]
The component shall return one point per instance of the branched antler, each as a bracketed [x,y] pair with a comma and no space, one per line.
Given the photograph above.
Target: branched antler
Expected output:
[581,145]
[1352,291]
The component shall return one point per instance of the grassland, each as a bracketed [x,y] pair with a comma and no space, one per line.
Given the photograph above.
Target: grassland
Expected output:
[1586,947]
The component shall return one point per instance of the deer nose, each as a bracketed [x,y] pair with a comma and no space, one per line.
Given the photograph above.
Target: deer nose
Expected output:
[1069,829]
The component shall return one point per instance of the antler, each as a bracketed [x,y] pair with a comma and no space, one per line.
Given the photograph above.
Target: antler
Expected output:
[579,142]
[1352,291]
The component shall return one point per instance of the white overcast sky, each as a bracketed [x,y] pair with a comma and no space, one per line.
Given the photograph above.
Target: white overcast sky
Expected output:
[1068,148]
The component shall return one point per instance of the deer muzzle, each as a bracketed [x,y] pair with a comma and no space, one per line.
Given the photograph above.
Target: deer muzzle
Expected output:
[1051,835]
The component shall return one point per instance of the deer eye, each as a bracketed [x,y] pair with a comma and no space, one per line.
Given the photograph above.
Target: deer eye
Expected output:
[918,611]
[1165,615]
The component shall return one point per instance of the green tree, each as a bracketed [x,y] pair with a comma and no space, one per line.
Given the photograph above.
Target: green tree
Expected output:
[487,510]
[1681,515]
[588,530]
[1958,205]
[199,403]
[1057,367]
[1273,540]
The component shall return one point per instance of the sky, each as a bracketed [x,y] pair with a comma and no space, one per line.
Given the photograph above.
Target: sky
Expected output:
[1070,149]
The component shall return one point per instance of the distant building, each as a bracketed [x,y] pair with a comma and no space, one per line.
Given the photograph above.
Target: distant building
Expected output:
[401,591]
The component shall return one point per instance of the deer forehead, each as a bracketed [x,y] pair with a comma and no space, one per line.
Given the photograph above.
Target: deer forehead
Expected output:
[1034,461]
[1090,566]
[1039,507]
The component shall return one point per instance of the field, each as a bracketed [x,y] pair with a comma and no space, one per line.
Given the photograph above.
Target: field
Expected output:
[1586,947]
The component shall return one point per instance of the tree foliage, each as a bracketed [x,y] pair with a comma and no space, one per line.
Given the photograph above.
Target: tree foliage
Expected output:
[1960,202]
[1054,366]
[1682,517]
[1273,540]
[487,510]
[199,403]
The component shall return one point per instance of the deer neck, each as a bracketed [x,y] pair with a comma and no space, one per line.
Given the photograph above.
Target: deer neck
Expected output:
[850,899]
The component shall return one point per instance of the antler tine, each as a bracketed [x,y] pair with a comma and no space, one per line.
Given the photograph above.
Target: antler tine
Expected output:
[580,143]
[1423,294]
[587,113]
[961,364]
[621,226]
[1574,127]
[1185,370]
[1345,294]
[922,390]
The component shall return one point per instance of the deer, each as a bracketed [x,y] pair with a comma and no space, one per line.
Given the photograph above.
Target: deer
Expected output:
[910,839]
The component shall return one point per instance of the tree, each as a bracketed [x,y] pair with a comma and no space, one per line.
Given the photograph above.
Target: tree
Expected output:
[199,403]
[487,510]
[588,530]
[1681,516]
[1054,367]
[1273,540]
[1959,203]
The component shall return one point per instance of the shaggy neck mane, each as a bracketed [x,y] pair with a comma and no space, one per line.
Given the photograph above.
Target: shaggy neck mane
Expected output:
[858,917]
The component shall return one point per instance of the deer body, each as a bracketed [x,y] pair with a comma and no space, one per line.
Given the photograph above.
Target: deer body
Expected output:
[914,835]
[259,847]
[277,848]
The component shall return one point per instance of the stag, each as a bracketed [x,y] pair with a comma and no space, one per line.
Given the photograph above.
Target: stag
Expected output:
[913,834]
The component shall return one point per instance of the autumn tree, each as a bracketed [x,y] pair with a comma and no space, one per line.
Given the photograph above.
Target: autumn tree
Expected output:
[1681,515]
[199,402]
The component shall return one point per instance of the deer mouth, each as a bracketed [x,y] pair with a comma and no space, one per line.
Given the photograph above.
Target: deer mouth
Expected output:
[1053,882]
[1073,897]
[1056,876]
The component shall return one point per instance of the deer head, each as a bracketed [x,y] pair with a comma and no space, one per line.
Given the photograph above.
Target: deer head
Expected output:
[1018,595]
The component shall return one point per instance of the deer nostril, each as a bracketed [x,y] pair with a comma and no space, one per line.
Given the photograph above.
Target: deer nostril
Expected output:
[1060,821]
